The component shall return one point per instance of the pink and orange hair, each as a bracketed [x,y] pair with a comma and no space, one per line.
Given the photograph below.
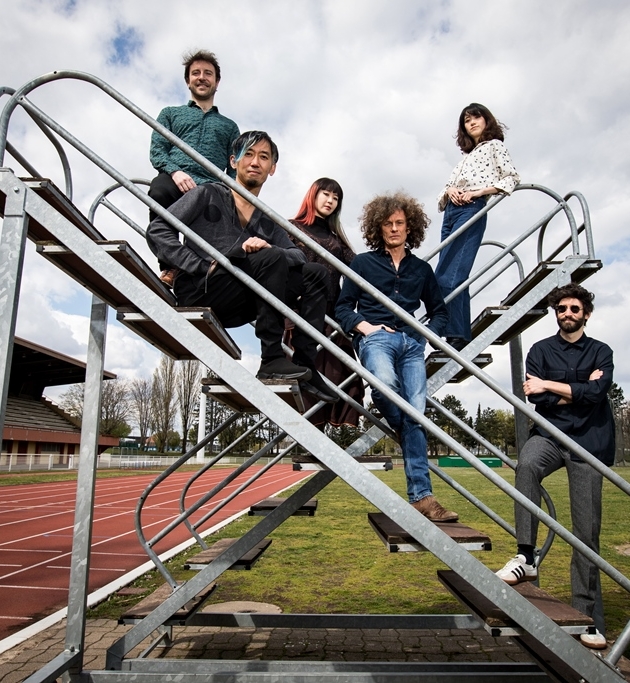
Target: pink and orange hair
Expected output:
[306,214]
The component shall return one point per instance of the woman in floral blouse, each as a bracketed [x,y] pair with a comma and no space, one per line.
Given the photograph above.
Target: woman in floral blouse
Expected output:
[486,169]
[318,217]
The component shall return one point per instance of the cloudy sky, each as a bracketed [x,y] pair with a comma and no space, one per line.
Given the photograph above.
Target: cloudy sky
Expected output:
[365,91]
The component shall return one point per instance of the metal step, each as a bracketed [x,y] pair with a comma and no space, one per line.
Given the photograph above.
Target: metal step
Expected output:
[370,462]
[98,283]
[310,671]
[491,314]
[140,610]
[202,318]
[542,270]
[495,620]
[48,191]
[437,360]
[397,540]
[497,623]
[287,389]
[264,507]
[205,557]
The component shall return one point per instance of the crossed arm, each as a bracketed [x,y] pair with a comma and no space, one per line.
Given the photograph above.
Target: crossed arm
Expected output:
[535,385]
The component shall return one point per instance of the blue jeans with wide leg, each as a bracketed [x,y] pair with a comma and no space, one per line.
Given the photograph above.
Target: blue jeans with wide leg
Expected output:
[456,262]
[398,361]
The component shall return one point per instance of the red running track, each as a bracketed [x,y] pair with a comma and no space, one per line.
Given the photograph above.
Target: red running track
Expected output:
[36,523]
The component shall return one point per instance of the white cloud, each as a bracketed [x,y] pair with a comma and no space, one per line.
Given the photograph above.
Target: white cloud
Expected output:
[365,91]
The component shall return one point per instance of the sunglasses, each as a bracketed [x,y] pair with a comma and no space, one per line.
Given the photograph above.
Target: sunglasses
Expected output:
[574,309]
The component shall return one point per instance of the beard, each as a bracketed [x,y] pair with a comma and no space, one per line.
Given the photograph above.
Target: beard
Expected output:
[207,95]
[569,325]
[251,183]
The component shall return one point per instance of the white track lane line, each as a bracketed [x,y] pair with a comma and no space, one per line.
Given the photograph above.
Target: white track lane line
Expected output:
[110,588]
[70,501]
[160,522]
[71,506]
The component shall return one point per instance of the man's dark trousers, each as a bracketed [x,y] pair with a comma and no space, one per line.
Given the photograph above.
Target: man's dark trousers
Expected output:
[303,288]
[539,458]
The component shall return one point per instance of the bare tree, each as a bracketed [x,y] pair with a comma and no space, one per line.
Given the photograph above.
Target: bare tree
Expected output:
[115,405]
[115,408]
[188,387]
[72,400]
[140,397]
[163,402]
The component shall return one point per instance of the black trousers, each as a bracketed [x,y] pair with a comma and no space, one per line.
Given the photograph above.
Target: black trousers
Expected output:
[164,191]
[303,288]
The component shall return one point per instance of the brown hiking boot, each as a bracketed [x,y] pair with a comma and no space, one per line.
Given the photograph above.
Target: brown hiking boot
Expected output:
[433,511]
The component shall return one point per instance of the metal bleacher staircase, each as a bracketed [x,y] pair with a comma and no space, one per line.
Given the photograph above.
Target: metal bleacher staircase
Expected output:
[117,277]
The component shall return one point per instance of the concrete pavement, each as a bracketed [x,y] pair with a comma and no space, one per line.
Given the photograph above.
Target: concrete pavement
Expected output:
[421,645]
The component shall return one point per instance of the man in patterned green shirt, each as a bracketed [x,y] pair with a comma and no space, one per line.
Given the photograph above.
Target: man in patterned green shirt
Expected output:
[198,124]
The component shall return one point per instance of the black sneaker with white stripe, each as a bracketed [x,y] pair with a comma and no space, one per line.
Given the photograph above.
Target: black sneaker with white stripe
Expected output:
[517,570]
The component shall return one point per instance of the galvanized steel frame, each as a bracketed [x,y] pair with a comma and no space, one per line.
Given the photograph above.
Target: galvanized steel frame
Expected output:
[338,462]
[86,482]
[412,522]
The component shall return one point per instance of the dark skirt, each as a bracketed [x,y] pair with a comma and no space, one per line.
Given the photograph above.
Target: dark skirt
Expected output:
[340,413]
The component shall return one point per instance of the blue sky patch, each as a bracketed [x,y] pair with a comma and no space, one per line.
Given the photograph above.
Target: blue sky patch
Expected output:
[125,45]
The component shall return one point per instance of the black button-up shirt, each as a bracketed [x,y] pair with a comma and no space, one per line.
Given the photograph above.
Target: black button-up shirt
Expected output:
[588,418]
[411,285]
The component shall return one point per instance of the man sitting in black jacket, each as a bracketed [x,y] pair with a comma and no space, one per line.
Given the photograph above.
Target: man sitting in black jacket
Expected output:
[259,247]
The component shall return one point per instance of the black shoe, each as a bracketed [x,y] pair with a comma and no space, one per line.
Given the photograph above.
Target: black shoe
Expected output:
[318,388]
[458,343]
[281,368]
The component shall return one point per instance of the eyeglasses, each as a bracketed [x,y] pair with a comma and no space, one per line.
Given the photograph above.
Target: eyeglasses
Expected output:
[574,309]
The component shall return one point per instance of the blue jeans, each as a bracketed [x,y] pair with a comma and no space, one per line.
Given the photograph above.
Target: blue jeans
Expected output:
[456,262]
[398,361]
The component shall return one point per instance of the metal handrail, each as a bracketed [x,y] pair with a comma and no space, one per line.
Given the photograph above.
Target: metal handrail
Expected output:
[462,228]
[497,452]
[160,478]
[410,320]
[403,315]
[515,259]
[101,200]
[65,164]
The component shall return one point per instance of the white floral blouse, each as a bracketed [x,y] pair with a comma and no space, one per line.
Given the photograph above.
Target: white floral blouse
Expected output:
[488,165]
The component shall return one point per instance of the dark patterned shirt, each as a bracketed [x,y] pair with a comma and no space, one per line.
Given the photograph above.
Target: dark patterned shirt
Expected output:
[209,133]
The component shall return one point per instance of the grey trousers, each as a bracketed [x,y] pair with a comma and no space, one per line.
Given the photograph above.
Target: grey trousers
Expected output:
[539,458]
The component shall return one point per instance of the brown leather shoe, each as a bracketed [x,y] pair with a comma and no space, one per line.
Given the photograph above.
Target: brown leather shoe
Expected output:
[168,276]
[433,511]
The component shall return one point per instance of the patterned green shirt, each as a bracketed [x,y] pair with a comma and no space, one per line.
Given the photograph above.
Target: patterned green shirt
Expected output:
[209,133]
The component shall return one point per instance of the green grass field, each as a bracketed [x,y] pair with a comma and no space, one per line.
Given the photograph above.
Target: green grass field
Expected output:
[334,562]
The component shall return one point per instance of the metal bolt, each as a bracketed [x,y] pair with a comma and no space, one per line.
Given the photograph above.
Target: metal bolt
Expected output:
[16,190]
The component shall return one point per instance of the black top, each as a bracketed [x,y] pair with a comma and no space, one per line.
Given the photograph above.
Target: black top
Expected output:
[320,232]
[412,284]
[209,210]
[588,419]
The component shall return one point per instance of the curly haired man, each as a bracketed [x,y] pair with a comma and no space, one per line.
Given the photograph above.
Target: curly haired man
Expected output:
[390,349]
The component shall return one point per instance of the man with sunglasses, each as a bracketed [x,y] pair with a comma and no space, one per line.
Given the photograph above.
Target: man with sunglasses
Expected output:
[568,378]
